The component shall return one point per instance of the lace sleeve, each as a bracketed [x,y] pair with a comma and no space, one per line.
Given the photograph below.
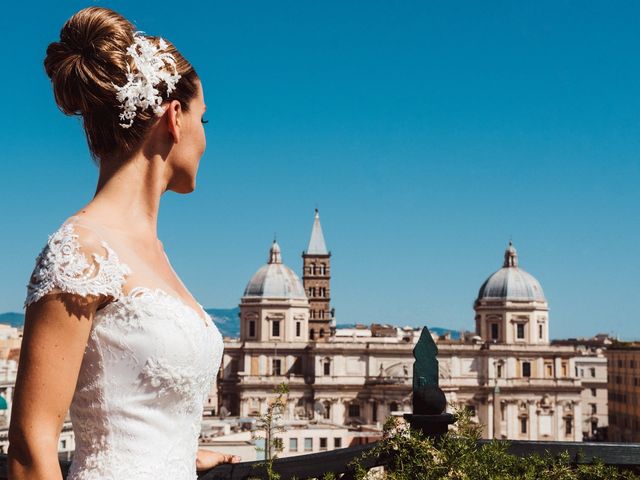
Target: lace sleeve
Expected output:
[72,265]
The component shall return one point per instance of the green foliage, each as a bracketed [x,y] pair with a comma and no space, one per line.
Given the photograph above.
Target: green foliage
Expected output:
[269,423]
[457,455]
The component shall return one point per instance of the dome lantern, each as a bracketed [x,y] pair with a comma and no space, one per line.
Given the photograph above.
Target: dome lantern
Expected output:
[510,256]
[274,253]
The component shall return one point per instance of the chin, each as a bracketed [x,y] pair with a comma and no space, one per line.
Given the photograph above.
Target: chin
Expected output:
[184,186]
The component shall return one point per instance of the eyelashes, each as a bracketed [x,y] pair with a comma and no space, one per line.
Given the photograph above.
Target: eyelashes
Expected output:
[204,122]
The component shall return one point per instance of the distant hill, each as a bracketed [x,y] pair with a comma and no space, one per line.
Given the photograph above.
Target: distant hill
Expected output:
[226,319]
[12,318]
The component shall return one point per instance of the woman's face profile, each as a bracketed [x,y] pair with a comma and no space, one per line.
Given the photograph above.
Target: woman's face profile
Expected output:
[188,150]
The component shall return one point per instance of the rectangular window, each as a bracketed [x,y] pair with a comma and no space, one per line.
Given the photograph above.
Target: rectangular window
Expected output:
[275,328]
[526,369]
[326,368]
[523,425]
[520,330]
[308,444]
[568,426]
[252,328]
[298,329]
[374,411]
[594,408]
[354,410]
[540,330]
[293,444]
[549,370]
[276,367]
[494,331]
[63,444]
[593,392]
[593,371]
[323,443]
[499,370]
[337,442]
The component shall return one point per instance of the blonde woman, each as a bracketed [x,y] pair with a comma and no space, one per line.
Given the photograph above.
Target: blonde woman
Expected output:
[111,333]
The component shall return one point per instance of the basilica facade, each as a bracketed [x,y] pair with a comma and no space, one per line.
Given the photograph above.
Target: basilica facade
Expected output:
[514,381]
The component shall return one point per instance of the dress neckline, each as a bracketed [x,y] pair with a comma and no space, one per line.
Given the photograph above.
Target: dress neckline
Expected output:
[77,219]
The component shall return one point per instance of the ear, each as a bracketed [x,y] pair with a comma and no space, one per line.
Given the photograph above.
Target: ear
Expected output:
[174,119]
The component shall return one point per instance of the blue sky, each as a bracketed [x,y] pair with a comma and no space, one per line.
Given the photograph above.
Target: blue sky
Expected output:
[428,134]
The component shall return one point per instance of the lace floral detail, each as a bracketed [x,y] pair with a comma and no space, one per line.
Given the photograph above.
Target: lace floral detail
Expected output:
[61,266]
[149,363]
[185,381]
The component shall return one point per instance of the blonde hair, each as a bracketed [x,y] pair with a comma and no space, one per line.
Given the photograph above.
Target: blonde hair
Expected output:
[83,66]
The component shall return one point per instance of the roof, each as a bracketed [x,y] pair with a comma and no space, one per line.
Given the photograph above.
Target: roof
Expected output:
[317,246]
[275,280]
[511,282]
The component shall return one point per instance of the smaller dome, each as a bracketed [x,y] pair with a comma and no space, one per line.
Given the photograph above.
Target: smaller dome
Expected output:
[275,280]
[511,282]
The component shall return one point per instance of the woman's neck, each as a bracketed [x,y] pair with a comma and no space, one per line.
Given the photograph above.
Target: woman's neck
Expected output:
[128,196]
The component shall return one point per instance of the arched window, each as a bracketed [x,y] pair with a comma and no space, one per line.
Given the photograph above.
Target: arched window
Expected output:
[312,334]
[321,332]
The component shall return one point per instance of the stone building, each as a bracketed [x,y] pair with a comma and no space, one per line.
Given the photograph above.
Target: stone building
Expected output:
[623,360]
[591,368]
[331,378]
[516,383]
[316,278]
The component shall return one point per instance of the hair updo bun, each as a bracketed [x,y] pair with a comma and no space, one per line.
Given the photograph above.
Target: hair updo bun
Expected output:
[90,57]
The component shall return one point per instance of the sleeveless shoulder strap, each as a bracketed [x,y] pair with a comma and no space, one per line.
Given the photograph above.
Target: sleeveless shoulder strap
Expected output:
[75,260]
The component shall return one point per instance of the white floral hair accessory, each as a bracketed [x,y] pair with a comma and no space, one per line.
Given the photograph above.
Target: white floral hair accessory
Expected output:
[152,66]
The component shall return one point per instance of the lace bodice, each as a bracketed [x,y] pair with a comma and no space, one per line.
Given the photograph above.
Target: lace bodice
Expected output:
[148,365]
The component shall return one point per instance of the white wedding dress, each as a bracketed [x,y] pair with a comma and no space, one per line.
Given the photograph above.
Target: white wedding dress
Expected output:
[148,365]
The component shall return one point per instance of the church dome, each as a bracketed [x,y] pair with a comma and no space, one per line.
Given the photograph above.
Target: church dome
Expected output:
[275,280]
[511,282]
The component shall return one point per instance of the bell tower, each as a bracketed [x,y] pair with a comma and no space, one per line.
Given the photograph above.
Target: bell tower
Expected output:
[316,278]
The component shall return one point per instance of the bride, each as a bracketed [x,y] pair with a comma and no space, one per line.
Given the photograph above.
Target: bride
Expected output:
[111,333]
